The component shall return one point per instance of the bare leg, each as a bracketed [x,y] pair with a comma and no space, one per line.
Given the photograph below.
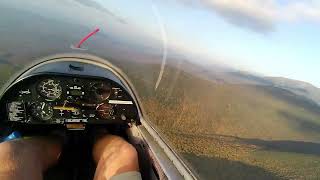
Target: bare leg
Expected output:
[27,158]
[114,156]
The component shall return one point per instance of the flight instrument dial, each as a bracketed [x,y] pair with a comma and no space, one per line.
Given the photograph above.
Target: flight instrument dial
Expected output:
[50,89]
[42,111]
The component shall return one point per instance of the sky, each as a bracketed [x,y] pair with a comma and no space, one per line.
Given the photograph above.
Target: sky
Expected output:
[272,37]
[269,37]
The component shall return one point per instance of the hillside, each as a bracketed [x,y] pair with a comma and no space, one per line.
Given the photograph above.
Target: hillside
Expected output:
[247,129]
[298,87]
[232,76]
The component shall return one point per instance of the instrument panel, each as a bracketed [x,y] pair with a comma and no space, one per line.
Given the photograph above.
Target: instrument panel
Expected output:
[69,100]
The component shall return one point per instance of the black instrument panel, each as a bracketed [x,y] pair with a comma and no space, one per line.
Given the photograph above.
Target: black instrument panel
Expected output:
[68,100]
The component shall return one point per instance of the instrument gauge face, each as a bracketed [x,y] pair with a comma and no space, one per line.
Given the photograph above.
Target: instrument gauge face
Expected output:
[104,110]
[50,89]
[42,111]
[101,91]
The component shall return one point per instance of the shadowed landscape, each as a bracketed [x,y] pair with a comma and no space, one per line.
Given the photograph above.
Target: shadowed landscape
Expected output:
[231,126]
[218,168]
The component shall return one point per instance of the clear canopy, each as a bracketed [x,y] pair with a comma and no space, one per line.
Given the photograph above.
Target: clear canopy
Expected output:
[231,86]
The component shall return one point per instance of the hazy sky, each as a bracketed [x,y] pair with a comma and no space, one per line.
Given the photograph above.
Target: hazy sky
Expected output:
[273,37]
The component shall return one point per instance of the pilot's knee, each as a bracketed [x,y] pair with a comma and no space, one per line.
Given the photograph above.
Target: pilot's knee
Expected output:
[13,154]
[38,151]
[7,149]
[110,144]
[127,151]
[125,157]
[7,159]
[10,148]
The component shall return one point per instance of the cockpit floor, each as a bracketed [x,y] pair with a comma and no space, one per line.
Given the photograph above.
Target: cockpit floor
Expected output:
[76,161]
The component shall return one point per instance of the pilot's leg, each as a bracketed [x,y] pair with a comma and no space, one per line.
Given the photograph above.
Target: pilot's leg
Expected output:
[116,159]
[24,159]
